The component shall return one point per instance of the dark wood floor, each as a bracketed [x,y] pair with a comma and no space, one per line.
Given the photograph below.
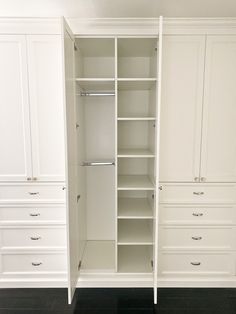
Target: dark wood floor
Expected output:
[117,301]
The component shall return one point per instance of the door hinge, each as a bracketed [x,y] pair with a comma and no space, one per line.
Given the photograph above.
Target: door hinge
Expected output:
[77,125]
[160,187]
[153,196]
[79,266]
[75,47]
[152,264]
[77,198]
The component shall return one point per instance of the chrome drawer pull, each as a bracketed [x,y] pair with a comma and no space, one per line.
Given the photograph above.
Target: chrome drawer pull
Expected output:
[197,238]
[33,193]
[198,193]
[35,238]
[195,263]
[197,214]
[34,215]
[36,264]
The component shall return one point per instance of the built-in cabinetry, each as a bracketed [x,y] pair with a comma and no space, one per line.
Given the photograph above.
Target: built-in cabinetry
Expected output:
[197,220]
[32,163]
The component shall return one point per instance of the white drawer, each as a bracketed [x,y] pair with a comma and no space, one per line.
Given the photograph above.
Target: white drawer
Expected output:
[198,193]
[195,264]
[33,237]
[194,238]
[197,214]
[32,214]
[32,192]
[36,263]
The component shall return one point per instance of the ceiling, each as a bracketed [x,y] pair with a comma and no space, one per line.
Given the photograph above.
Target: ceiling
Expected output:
[118,8]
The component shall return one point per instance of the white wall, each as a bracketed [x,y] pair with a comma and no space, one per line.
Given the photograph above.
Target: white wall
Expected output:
[119,8]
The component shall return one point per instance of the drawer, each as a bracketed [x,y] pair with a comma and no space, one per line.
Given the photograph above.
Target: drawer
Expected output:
[196,264]
[197,214]
[33,263]
[33,237]
[32,192]
[32,214]
[197,238]
[198,193]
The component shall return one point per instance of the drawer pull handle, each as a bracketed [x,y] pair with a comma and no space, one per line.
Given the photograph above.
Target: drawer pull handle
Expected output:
[35,238]
[197,238]
[198,193]
[36,264]
[34,215]
[195,263]
[33,193]
[197,214]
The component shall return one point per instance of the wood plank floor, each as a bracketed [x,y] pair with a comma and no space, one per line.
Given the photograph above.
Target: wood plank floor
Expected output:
[118,301]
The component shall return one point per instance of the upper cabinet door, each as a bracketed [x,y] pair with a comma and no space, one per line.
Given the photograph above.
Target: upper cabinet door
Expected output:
[46,106]
[73,248]
[218,161]
[181,108]
[15,160]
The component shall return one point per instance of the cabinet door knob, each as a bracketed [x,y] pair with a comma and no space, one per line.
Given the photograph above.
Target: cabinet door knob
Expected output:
[197,214]
[198,193]
[28,179]
[195,263]
[203,179]
[34,215]
[197,238]
[63,188]
[160,187]
[196,179]
[36,264]
[34,178]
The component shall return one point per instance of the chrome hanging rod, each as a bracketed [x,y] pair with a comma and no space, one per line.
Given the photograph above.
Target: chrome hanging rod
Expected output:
[97,94]
[98,163]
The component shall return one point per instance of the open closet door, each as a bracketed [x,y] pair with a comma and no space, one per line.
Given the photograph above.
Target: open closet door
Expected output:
[71,159]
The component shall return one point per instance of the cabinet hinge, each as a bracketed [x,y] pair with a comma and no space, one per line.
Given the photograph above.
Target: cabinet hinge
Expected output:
[75,47]
[152,264]
[79,266]
[77,198]
[77,125]
[153,196]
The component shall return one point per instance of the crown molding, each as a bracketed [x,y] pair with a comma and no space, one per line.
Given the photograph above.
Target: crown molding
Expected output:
[149,26]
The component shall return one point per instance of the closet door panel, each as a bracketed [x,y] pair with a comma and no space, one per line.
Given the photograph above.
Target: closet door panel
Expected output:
[46,104]
[181,109]
[15,160]
[218,161]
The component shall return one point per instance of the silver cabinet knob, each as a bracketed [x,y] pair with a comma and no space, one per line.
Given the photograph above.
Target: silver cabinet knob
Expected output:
[28,179]
[198,193]
[160,187]
[196,179]
[195,263]
[197,238]
[34,178]
[63,188]
[36,264]
[203,179]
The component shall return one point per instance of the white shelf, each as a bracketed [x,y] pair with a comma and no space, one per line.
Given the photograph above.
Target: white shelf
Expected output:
[134,259]
[96,47]
[135,232]
[136,118]
[135,182]
[136,83]
[135,153]
[96,84]
[99,256]
[139,208]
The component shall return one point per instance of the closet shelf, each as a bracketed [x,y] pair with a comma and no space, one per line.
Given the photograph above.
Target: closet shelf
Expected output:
[135,182]
[134,232]
[136,118]
[138,208]
[135,153]
[134,259]
[96,84]
[136,83]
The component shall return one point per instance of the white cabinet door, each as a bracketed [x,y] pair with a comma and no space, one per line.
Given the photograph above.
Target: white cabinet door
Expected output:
[218,161]
[181,108]
[71,171]
[46,107]
[15,159]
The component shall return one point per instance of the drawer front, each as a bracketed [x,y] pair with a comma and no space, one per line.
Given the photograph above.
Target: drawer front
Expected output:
[36,263]
[32,192]
[195,264]
[32,214]
[33,237]
[197,238]
[197,214]
[198,193]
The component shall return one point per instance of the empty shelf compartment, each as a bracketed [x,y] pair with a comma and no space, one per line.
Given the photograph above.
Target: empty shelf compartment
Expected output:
[135,232]
[139,208]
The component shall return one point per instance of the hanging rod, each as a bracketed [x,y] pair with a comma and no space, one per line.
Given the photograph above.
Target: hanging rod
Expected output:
[98,163]
[97,94]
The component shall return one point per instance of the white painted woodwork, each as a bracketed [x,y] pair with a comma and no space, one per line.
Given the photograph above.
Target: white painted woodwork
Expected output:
[71,155]
[138,208]
[134,232]
[218,156]
[15,141]
[195,264]
[181,108]
[46,107]
[134,182]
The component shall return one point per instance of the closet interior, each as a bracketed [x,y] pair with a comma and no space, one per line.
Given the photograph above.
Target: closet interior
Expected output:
[116,100]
